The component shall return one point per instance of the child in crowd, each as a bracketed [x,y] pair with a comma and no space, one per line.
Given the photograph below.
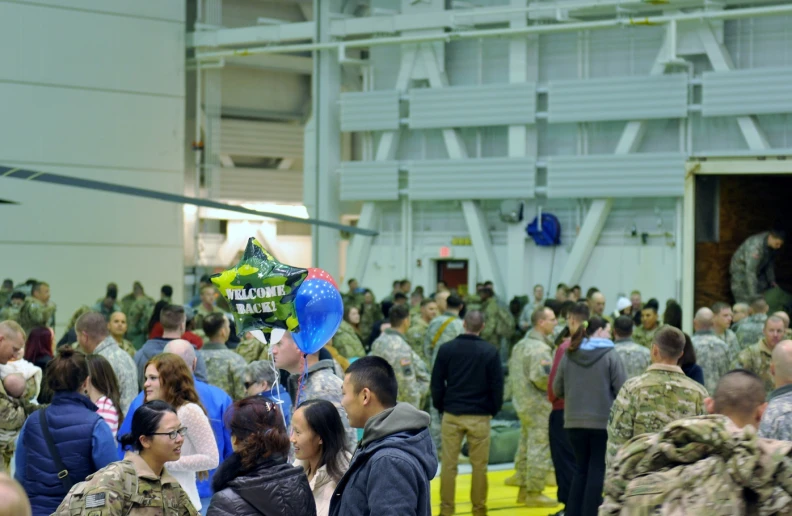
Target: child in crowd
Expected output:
[15,386]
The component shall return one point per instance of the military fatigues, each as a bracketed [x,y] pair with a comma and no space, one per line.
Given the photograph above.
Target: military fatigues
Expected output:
[415,337]
[200,314]
[498,322]
[352,299]
[323,383]
[124,368]
[529,370]
[647,403]
[138,316]
[369,315]
[700,465]
[752,270]
[35,314]
[347,341]
[13,413]
[730,338]
[451,326]
[712,354]
[127,346]
[411,373]
[252,349]
[127,487]
[225,369]
[750,329]
[756,359]
[636,358]
[645,337]
[9,313]
[777,418]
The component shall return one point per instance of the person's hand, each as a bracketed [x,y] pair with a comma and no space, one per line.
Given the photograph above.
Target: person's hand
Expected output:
[203,475]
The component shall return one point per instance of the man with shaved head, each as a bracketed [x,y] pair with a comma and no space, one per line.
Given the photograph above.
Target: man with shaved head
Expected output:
[712,354]
[741,311]
[467,390]
[757,358]
[785,317]
[117,326]
[777,419]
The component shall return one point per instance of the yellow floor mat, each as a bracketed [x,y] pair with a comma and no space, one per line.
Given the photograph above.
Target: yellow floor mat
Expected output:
[501,499]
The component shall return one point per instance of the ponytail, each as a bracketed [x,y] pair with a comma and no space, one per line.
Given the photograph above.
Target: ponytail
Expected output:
[586,330]
[579,312]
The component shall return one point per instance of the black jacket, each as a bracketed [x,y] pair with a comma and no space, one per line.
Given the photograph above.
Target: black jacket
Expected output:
[271,488]
[467,378]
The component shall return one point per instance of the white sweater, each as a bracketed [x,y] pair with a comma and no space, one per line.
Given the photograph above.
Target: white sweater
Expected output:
[199,451]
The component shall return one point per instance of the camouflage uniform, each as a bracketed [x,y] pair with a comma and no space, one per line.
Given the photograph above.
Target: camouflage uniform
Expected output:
[730,338]
[9,313]
[138,317]
[347,341]
[415,337]
[35,314]
[200,313]
[647,403]
[452,330]
[750,329]
[645,337]
[225,369]
[636,358]
[252,349]
[369,314]
[322,383]
[472,302]
[712,354]
[498,322]
[124,367]
[700,465]
[127,301]
[752,270]
[777,418]
[352,299]
[127,487]
[127,346]
[756,359]
[13,413]
[411,373]
[529,370]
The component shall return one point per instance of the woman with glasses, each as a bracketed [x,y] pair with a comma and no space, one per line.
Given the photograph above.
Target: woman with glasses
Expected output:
[168,378]
[257,479]
[140,484]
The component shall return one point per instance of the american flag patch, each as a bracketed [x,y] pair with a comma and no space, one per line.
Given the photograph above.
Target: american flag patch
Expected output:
[95,500]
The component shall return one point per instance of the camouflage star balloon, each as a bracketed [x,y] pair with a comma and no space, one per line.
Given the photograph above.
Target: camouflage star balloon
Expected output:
[260,291]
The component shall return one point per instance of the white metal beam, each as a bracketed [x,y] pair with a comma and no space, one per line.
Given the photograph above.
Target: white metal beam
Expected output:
[688,252]
[586,240]
[276,62]
[722,62]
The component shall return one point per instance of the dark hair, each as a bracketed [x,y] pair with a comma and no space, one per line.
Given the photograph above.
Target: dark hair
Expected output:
[375,374]
[145,422]
[688,357]
[18,295]
[398,296]
[554,305]
[112,292]
[397,315]
[67,371]
[566,306]
[594,324]
[171,317]
[166,290]
[425,301]
[719,306]
[581,313]
[590,292]
[673,315]
[39,344]
[347,309]
[213,323]
[454,301]
[323,418]
[670,342]
[576,287]
[396,283]
[405,282]
[351,280]
[653,304]
[258,426]
[778,233]
[206,278]
[155,314]
[623,326]
[104,380]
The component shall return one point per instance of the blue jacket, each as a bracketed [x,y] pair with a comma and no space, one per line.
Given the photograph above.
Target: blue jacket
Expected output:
[154,347]
[82,438]
[216,402]
[285,404]
[390,472]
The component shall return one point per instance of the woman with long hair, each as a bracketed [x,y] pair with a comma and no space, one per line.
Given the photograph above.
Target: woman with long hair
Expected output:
[154,325]
[168,378]
[257,479]
[139,485]
[68,435]
[347,340]
[688,362]
[319,440]
[104,392]
[588,379]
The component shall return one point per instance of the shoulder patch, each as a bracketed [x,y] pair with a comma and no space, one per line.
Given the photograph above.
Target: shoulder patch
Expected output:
[406,362]
[95,500]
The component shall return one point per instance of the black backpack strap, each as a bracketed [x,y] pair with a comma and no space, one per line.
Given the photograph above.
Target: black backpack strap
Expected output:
[63,473]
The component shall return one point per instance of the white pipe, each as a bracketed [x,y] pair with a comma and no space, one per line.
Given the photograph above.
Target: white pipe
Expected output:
[730,14]
[197,150]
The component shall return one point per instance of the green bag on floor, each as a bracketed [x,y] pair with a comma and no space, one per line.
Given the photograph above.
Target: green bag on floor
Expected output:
[504,439]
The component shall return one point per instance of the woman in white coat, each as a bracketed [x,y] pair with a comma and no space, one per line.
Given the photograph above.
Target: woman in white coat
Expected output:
[318,438]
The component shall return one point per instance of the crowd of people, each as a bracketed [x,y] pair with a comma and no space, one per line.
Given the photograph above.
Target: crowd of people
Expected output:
[149,404]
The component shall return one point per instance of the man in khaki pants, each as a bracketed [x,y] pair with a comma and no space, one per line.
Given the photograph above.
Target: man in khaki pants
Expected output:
[467,389]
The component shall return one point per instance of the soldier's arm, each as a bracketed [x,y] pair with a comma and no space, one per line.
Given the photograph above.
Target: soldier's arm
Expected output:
[539,371]
[13,413]
[752,271]
[620,424]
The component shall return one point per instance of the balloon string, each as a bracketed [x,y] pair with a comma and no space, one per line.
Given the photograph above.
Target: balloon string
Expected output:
[277,390]
[303,380]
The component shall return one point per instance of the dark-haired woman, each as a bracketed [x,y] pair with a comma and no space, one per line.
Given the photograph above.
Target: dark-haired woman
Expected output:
[81,442]
[319,439]
[588,379]
[139,485]
[104,392]
[688,362]
[257,479]
[38,351]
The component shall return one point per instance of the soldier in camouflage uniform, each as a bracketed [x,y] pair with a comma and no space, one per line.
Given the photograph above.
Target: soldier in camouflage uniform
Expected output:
[5,291]
[445,327]
[419,326]
[750,329]
[11,312]
[721,325]
[756,358]
[752,269]
[224,368]
[712,354]
[636,358]
[499,321]
[370,313]
[117,328]
[707,464]
[37,311]
[411,373]
[128,300]
[777,418]
[207,306]
[252,349]
[529,370]
[138,317]
[354,297]
[662,394]
[644,334]
[347,340]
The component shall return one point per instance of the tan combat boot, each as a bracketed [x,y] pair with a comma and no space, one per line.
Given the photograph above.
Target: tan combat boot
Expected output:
[536,499]
[514,480]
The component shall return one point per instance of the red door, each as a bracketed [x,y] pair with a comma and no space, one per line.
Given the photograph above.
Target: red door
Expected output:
[454,273]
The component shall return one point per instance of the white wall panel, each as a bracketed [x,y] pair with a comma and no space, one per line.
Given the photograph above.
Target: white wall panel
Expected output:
[260,185]
[623,51]
[268,91]
[261,139]
[172,10]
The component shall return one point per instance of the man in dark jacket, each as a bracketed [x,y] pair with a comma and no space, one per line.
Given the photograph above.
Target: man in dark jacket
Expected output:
[390,472]
[467,389]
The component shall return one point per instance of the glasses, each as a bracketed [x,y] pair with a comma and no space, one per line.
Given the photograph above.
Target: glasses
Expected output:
[248,384]
[172,435]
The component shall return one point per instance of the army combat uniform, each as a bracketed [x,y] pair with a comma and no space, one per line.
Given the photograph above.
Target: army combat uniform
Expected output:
[127,487]
[713,355]
[411,373]
[645,337]
[35,314]
[636,358]
[756,359]
[225,369]
[750,329]
[252,350]
[752,270]
[347,341]
[498,322]
[415,336]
